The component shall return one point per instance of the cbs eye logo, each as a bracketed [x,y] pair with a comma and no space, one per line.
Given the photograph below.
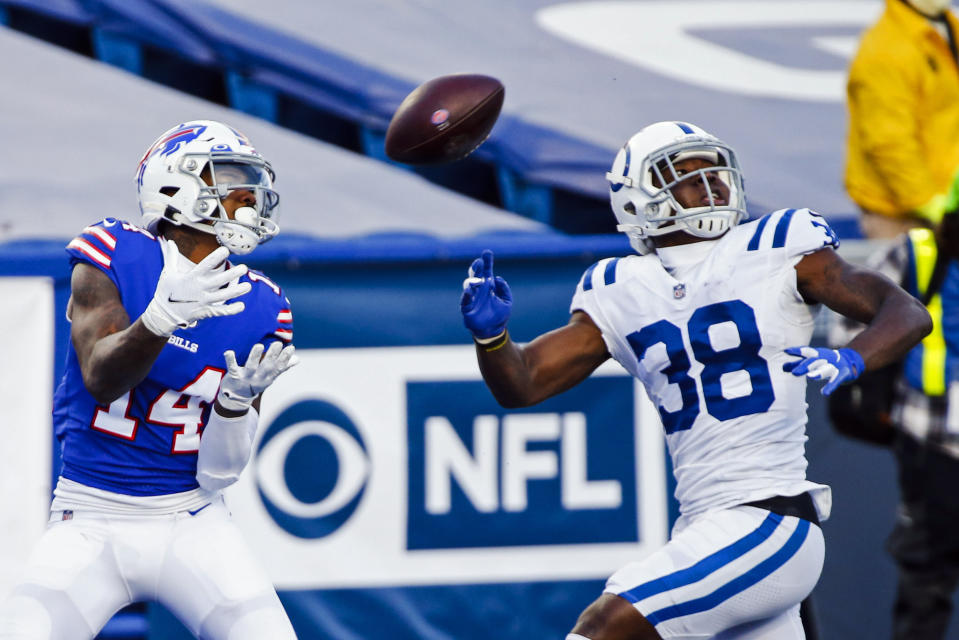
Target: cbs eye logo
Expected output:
[311,469]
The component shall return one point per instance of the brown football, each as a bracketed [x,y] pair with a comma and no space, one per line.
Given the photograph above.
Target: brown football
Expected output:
[444,119]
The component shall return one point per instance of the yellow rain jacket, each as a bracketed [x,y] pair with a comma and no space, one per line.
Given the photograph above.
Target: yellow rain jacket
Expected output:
[903,97]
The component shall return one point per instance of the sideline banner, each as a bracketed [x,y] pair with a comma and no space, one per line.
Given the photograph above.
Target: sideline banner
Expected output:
[27,319]
[385,476]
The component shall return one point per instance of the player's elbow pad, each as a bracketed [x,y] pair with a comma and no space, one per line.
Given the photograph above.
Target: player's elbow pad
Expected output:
[225,448]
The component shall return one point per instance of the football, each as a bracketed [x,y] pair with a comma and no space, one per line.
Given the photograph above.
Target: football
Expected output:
[444,119]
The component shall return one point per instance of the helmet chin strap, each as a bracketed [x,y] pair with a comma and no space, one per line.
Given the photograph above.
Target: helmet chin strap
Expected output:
[238,238]
[637,239]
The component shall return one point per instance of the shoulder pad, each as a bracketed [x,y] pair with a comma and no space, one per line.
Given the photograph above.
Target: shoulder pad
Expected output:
[258,276]
[280,305]
[284,324]
[599,274]
[98,242]
[798,231]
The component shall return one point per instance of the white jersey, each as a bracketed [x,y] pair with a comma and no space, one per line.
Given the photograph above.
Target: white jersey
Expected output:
[706,339]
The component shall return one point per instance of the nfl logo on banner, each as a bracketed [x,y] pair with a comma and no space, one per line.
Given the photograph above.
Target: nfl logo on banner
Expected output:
[679,291]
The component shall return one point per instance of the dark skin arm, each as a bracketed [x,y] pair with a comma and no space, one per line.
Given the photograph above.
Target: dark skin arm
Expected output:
[114,354]
[552,363]
[896,321]
[559,360]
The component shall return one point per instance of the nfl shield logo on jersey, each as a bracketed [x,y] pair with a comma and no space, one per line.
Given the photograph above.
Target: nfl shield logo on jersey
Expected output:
[679,291]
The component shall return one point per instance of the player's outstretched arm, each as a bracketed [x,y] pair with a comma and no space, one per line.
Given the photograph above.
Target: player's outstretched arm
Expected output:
[520,376]
[243,384]
[895,320]
[227,440]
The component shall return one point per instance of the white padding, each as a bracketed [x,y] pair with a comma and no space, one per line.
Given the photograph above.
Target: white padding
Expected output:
[225,448]
[26,405]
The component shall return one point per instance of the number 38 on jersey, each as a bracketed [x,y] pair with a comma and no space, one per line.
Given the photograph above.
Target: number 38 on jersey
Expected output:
[716,362]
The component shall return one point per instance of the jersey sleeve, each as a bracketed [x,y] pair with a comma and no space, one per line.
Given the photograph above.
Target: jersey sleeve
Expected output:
[279,313]
[798,231]
[284,323]
[598,275]
[809,232]
[589,296]
[96,245]
[107,243]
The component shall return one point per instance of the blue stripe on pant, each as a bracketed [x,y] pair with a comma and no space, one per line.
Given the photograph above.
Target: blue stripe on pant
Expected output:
[716,561]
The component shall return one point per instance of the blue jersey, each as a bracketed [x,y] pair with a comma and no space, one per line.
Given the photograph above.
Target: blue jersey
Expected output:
[145,442]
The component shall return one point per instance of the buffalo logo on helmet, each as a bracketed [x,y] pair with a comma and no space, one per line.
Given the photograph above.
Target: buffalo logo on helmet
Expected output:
[169,144]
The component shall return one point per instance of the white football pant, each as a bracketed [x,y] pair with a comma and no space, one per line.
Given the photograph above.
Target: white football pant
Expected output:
[734,573]
[85,569]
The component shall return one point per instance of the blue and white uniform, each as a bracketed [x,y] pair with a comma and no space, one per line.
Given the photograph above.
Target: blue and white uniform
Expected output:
[145,443]
[704,326]
[129,522]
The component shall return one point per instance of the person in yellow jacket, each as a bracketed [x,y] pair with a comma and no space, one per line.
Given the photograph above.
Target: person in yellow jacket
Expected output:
[903,98]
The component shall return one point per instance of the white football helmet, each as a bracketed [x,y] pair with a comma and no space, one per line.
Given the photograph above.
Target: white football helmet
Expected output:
[170,185]
[643,175]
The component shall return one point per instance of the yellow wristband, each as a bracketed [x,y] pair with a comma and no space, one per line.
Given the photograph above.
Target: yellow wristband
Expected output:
[492,344]
[491,339]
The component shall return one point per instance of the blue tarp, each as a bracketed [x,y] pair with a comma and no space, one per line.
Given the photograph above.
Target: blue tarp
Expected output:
[71,11]
[580,77]
[75,129]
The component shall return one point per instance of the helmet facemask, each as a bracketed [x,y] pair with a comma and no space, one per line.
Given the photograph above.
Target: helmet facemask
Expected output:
[665,214]
[250,225]
[645,175]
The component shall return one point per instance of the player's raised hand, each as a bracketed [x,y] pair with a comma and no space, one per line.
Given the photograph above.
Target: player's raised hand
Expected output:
[183,297]
[486,301]
[242,384]
[835,365]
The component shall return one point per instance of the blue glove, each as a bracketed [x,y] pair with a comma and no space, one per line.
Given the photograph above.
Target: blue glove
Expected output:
[486,300]
[838,366]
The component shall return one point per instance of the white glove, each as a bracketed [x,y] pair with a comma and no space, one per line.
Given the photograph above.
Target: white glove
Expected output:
[184,297]
[241,385]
